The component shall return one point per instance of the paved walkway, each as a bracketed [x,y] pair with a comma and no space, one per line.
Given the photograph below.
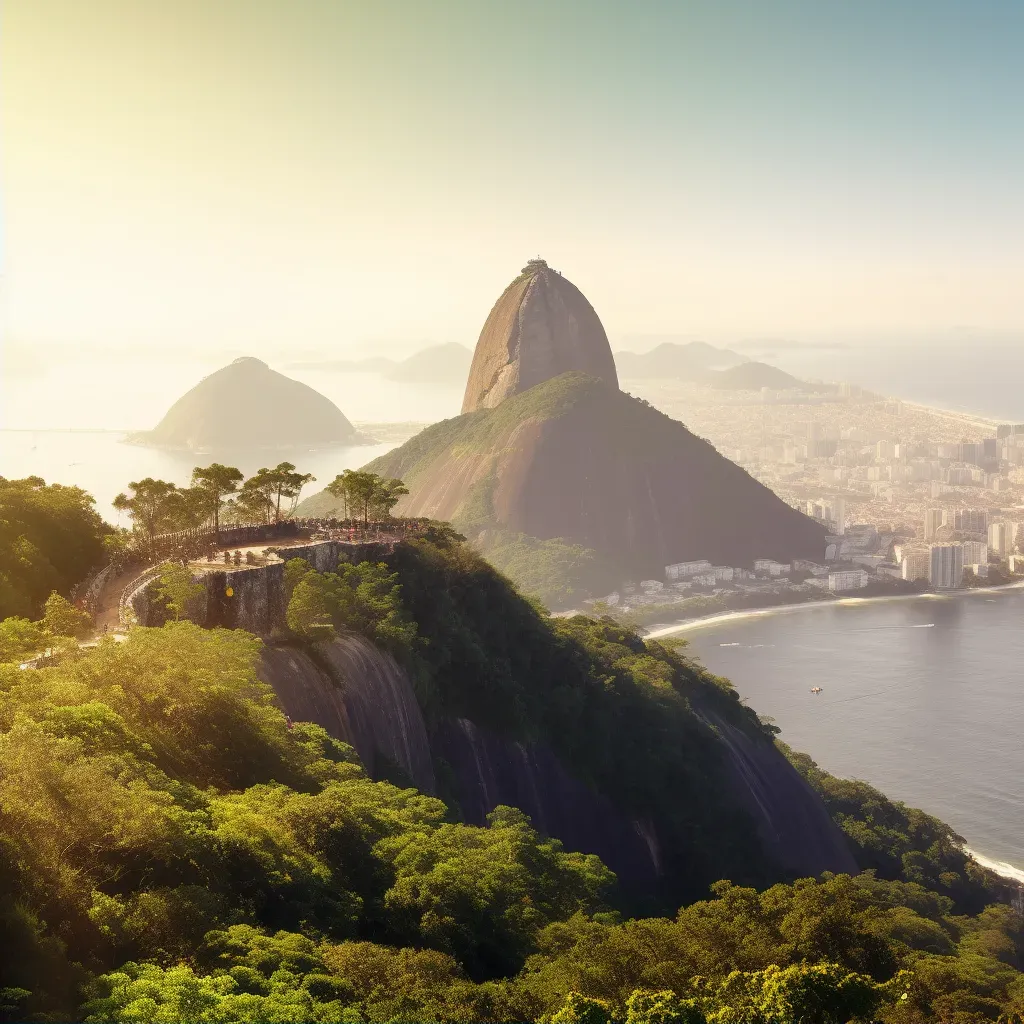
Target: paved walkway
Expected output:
[108,613]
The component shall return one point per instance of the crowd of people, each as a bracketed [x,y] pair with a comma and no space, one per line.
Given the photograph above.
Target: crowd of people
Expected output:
[354,531]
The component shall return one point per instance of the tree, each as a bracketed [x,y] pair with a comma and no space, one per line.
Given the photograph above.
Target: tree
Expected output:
[50,538]
[310,609]
[263,494]
[287,484]
[664,1007]
[387,496]
[253,504]
[365,494]
[187,508]
[215,482]
[356,488]
[177,587]
[62,618]
[20,638]
[151,506]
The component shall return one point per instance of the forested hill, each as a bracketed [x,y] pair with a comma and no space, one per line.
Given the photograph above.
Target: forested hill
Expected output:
[575,459]
[173,848]
[667,745]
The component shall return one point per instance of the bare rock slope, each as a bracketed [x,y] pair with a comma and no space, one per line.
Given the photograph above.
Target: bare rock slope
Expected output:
[541,326]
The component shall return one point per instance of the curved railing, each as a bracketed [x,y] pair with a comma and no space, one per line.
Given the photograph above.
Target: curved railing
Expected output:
[125,612]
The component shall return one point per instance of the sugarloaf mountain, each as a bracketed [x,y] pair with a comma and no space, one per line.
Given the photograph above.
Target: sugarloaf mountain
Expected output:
[549,447]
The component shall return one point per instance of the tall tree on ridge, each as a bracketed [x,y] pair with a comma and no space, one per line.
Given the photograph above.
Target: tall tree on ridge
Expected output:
[288,484]
[366,494]
[151,506]
[216,482]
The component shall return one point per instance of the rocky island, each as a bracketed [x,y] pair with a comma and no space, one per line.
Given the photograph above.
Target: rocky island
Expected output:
[247,405]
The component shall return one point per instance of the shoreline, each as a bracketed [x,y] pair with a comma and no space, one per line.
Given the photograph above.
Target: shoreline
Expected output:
[970,418]
[716,618]
[1005,869]
[1002,868]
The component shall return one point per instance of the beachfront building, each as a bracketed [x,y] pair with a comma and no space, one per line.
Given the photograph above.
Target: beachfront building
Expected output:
[934,520]
[975,551]
[680,570]
[1000,538]
[946,566]
[769,567]
[852,579]
[915,563]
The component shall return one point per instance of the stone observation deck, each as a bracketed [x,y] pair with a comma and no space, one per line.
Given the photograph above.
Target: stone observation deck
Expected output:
[246,591]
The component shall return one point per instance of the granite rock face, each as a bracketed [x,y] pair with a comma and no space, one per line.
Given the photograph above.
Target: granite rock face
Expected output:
[489,770]
[361,696]
[793,823]
[540,327]
[247,405]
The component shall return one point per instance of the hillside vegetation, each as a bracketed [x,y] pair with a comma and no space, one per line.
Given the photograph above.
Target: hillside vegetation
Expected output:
[173,849]
[51,536]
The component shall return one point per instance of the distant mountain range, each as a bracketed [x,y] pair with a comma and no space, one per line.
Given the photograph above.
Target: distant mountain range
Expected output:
[695,361]
[438,364]
[673,360]
[752,377]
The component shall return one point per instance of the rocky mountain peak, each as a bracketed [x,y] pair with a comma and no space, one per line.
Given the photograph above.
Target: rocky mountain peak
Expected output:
[541,327]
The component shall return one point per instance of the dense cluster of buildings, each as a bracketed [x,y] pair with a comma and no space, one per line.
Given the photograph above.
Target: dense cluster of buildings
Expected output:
[906,493]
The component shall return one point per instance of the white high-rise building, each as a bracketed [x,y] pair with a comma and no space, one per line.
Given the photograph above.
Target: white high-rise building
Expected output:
[1000,538]
[946,566]
[915,564]
[933,519]
[970,520]
[852,579]
[975,552]
[839,515]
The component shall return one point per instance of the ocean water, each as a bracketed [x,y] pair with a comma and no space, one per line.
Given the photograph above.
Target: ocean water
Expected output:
[66,422]
[102,464]
[114,394]
[923,698]
[963,374]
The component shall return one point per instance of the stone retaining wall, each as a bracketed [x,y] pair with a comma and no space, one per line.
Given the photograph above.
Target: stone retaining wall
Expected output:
[251,597]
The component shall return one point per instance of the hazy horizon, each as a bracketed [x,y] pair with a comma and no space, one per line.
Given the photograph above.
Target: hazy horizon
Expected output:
[340,180]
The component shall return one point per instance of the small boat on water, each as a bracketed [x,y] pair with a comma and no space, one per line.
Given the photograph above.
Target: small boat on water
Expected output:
[816,689]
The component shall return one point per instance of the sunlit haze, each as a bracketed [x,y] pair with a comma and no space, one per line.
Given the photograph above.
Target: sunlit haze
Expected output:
[348,178]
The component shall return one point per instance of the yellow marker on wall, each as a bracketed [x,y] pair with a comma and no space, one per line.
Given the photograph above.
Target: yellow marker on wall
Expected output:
[230,592]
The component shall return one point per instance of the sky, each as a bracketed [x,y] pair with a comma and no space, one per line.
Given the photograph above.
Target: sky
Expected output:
[348,178]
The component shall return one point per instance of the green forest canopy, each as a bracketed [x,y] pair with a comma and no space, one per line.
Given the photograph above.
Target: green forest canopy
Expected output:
[51,536]
[171,849]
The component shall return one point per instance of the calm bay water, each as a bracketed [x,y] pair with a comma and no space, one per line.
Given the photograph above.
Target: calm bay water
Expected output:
[923,698]
[65,422]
